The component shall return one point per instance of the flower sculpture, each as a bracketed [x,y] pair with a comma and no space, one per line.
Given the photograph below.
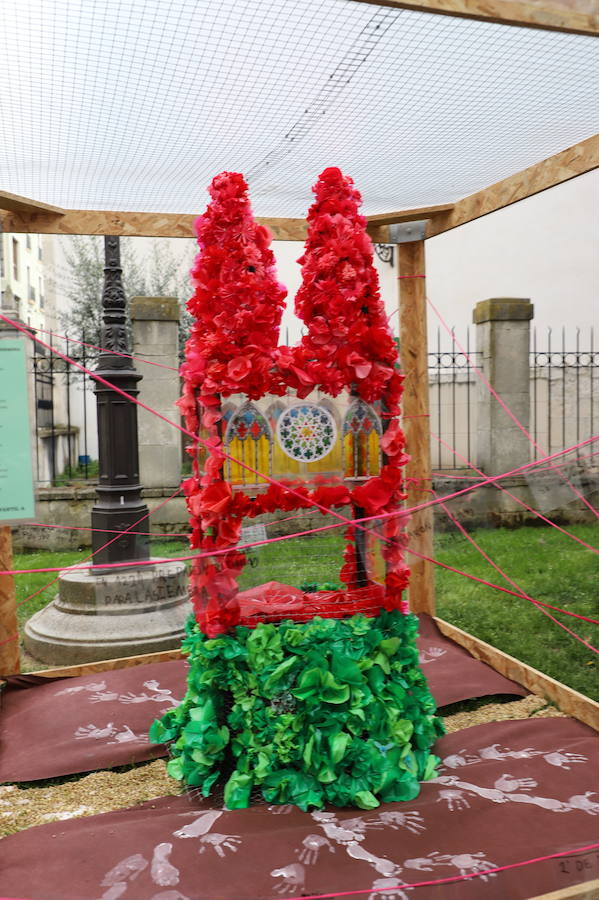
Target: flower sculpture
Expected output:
[307,696]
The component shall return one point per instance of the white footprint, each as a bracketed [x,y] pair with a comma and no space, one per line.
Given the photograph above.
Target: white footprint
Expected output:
[169,895]
[114,892]
[126,870]
[163,872]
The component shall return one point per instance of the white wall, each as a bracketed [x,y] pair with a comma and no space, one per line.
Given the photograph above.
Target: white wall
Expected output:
[544,248]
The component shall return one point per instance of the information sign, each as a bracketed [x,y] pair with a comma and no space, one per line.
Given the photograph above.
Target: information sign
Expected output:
[17,497]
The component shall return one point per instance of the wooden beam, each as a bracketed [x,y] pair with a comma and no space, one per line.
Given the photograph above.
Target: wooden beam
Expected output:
[546,16]
[414,365]
[9,632]
[109,665]
[409,215]
[576,160]
[132,224]
[587,890]
[567,699]
[136,224]
[14,203]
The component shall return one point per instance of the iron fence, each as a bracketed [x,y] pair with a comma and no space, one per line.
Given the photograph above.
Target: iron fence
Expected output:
[564,395]
[65,427]
[452,402]
[564,398]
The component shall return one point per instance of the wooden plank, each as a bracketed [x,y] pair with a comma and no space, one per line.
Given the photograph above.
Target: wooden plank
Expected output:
[409,215]
[588,890]
[576,160]
[136,224]
[547,16]
[566,698]
[14,203]
[9,645]
[132,224]
[414,364]
[109,665]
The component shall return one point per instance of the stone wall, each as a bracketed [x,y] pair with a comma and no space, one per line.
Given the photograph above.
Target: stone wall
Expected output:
[486,506]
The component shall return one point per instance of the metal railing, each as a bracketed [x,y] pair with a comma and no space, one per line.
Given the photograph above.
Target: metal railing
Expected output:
[564,395]
[452,402]
[65,428]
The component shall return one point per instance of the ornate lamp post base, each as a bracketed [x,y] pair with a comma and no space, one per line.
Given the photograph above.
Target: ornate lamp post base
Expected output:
[96,617]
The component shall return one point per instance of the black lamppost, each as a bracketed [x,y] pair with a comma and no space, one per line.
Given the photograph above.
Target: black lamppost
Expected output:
[119,503]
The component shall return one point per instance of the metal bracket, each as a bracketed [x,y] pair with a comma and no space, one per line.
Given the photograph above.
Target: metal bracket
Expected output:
[404,232]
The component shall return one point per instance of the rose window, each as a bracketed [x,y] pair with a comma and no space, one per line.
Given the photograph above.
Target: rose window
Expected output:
[306,432]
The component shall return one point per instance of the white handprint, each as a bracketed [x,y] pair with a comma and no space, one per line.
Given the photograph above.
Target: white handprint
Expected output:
[461,758]
[313,844]
[508,783]
[163,872]
[220,842]
[430,655]
[92,731]
[468,863]
[495,752]
[125,736]
[293,878]
[100,696]
[341,835]
[455,800]
[387,889]
[411,821]
[563,760]
[423,863]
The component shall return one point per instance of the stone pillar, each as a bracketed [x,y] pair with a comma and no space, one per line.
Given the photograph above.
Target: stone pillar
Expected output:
[503,342]
[156,338]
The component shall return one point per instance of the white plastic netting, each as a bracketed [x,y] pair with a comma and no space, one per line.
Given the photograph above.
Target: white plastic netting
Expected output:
[136,104]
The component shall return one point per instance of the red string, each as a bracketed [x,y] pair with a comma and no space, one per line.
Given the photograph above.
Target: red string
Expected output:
[65,337]
[538,603]
[505,407]
[517,499]
[103,547]
[452,878]
[157,534]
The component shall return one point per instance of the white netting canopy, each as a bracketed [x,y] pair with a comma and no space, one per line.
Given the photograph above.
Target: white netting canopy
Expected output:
[137,104]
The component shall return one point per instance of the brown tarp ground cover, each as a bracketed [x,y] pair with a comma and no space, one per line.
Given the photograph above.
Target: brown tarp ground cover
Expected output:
[452,673]
[507,792]
[80,724]
[98,721]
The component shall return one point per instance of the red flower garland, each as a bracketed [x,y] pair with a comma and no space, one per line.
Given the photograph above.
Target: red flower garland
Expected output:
[232,348]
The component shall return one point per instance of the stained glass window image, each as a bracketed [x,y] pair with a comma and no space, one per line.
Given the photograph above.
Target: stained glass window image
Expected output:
[248,438]
[361,435]
[306,432]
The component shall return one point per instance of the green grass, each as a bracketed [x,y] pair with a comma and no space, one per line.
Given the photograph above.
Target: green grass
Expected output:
[547,565]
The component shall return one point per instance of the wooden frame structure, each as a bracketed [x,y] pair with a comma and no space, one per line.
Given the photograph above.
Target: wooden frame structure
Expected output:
[19,215]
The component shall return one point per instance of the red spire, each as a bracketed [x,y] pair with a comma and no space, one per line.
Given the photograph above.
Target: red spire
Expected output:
[238,301]
[349,343]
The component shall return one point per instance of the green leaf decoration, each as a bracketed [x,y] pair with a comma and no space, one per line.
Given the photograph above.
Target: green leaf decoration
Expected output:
[328,711]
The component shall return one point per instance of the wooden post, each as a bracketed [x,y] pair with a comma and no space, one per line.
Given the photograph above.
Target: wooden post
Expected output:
[9,644]
[414,363]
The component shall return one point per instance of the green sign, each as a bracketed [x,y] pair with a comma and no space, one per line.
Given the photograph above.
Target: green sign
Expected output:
[17,499]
